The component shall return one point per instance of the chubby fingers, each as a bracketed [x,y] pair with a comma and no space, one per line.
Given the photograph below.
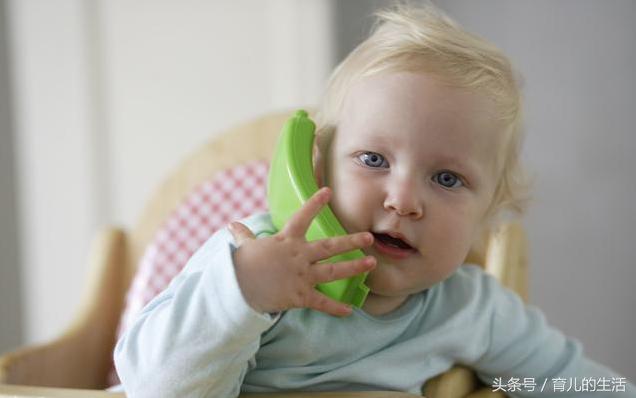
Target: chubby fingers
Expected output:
[240,232]
[300,221]
[325,248]
[320,302]
[322,273]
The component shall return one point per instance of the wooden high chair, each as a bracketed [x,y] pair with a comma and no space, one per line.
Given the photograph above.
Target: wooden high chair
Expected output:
[77,364]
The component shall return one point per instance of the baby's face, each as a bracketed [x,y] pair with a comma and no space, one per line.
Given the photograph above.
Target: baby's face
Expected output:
[413,162]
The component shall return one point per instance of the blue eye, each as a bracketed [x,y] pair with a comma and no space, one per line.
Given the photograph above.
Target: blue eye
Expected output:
[447,180]
[373,159]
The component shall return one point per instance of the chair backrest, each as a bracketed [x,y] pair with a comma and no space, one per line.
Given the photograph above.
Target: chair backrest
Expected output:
[222,181]
[226,180]
[230,194]
[240,145]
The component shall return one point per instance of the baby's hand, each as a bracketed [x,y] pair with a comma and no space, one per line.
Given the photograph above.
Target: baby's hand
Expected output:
[279,272]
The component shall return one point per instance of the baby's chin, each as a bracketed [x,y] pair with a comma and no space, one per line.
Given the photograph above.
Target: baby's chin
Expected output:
[380,304]
[382,281]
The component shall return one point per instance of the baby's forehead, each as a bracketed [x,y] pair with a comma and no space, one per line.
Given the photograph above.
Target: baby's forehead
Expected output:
[387,123]
[415,94]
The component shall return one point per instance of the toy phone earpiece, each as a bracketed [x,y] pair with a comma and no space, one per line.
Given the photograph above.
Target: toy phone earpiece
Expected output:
[291,183]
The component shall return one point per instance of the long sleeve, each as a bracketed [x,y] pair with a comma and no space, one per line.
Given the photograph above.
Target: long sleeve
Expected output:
[527,357]
[197,337]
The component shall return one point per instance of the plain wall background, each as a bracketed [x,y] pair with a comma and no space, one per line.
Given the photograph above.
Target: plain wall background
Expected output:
[10,300]
[106,96]
[578,60]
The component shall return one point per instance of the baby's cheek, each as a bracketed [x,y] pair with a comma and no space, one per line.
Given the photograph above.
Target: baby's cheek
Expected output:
[349,203]
[455,234]
[345,202]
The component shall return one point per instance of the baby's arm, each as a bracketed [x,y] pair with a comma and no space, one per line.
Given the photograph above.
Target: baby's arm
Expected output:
[528,357]
[197,337]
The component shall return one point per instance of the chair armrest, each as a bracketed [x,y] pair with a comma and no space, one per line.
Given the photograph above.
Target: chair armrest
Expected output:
[81,356]
[336,394]
[486,393]
[45,392]
[454,383]
[51,392]
[458,382]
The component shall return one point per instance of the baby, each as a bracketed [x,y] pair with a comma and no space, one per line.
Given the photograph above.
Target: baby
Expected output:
[418,153]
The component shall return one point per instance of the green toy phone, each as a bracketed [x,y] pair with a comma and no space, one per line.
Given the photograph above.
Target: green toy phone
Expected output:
[291,183]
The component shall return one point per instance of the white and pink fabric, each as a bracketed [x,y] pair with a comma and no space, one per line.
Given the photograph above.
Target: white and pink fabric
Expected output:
[229,195]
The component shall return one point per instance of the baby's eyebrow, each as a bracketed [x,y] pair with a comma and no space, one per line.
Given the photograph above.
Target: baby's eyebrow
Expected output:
[453,161]
[471,170]
[378,139]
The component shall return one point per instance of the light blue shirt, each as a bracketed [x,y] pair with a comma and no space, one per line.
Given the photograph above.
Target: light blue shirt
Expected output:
[199,338]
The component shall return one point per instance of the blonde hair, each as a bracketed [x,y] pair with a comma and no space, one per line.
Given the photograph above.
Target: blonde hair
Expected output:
[423,39]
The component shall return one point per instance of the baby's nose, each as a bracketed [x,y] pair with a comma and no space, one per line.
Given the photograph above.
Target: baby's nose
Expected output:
[403,199]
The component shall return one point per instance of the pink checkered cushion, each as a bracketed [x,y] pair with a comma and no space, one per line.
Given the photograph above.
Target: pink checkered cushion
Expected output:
[229,195]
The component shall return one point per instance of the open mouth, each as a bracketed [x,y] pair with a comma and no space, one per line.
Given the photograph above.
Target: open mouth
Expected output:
[393,242]
[392,247]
